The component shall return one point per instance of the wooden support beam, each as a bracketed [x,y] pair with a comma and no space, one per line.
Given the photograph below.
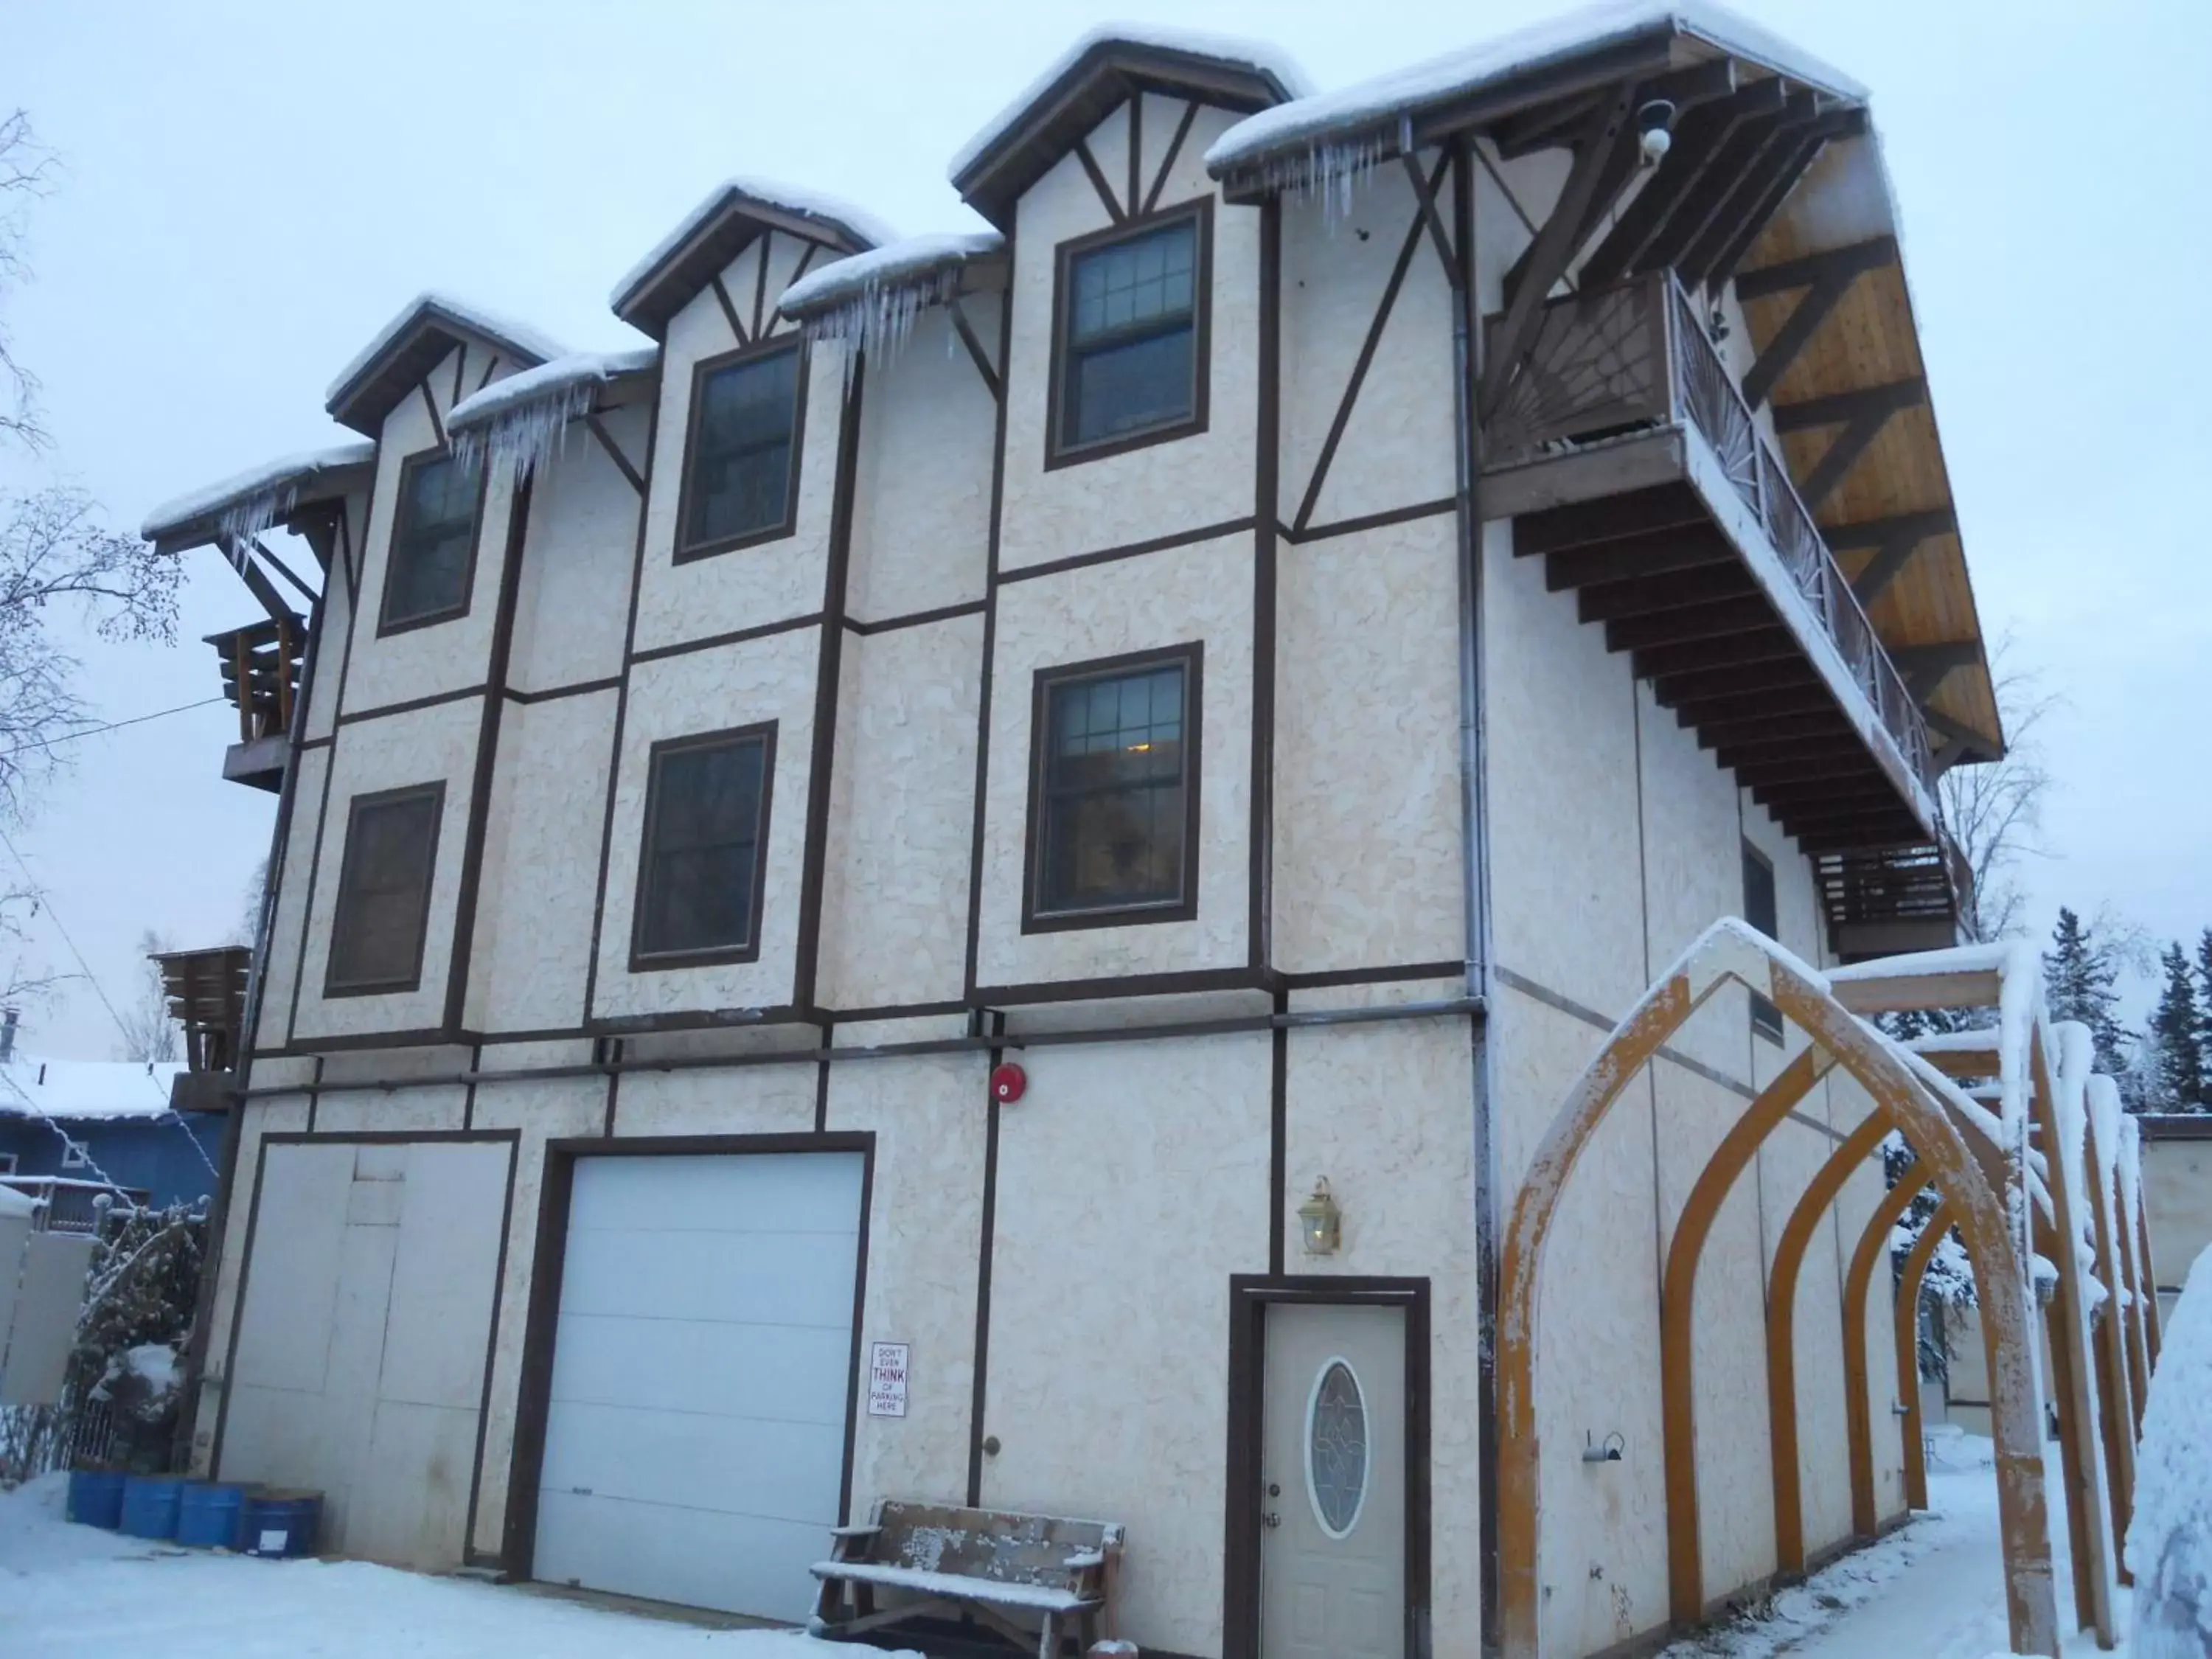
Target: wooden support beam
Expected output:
[1775,644]
[1714,267]
[1925,667]
[1700,681]
[256,579]
[1804,769]
[1972,745]
[1826,277]
[1546,128]
[1739,161]
[1607,127]
[1691,547]
[1809,698]
[1703,137]
[1837,747]
[1826,796]
[1610,518]
[1807,269]
[1715,621]
[1861,414]
[1772,727]
[1895,539]
[1640,595]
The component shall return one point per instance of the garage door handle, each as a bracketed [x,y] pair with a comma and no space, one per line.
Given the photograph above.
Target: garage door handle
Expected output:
[1271,1519]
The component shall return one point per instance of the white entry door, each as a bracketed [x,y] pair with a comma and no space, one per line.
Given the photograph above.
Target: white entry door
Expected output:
[695,1433]
[1332,1484]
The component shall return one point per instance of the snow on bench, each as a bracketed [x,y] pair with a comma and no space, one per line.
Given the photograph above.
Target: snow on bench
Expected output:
[953,1586]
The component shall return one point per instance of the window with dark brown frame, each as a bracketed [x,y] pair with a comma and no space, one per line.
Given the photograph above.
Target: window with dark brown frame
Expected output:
[701,863]
[433,562]
[741,468]
[1759,910]
[1130,335]
[384,890]
[1113,821]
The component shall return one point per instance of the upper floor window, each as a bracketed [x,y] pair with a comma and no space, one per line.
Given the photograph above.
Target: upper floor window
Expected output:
[741,477]
[1129,356]
[706,828]
[1113,808]
[1759,910]
[434,542]
[384,890]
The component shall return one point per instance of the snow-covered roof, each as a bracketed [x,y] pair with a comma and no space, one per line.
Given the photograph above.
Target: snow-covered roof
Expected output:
[1258,58]
[1377,106]
[14,1203]
[520,339]
[910,261]
[855,226]
[83,1090]
[248,503]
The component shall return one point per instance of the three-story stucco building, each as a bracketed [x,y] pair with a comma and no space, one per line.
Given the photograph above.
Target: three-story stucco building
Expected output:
[1278,640]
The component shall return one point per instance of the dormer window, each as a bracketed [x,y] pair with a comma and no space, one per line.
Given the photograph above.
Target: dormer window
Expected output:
[1129,358]
[434,542]
[741,478]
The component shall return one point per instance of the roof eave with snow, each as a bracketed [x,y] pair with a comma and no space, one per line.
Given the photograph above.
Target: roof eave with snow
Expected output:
[719,229]
[1580,51]
[1023,141]
[937,266]
[249,501]
[418,339]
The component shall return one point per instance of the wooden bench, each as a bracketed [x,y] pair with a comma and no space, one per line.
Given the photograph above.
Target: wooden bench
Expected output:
[1000,1567]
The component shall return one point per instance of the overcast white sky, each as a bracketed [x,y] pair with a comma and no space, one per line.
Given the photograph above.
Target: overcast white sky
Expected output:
[254,189]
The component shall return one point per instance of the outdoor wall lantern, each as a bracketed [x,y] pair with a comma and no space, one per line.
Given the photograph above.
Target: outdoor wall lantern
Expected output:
[1321,1220]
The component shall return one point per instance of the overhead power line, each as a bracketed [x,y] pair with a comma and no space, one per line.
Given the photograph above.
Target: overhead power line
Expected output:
[113,726]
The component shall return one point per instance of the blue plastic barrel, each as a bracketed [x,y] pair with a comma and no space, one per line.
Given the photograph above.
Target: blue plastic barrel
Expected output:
[149,1504]
[211,1514]
[95,1498]
[283,1522]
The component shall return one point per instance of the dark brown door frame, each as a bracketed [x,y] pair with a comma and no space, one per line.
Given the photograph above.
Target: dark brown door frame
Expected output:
[1250,1295]
[558,1185]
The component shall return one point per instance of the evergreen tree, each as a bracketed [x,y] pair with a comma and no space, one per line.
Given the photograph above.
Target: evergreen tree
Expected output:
[2205,999]
[2078,975]
[2176,1028]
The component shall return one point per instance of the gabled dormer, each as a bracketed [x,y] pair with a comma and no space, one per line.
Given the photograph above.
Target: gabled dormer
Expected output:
[428,332]
[1105,69]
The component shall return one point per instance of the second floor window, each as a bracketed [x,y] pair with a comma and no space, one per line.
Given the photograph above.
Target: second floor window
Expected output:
[384,890]
[1113,819]
[701,868]
[741,478]
[1129,362]
[1760,911]
[434,542]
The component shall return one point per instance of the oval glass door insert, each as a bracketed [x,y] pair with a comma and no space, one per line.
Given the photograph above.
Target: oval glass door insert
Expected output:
[1336,1448]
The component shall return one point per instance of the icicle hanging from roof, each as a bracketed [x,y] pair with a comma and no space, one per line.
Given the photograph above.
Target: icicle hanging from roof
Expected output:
[520,423]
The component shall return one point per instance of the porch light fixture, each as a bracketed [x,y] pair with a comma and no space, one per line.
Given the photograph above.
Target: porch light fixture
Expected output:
[1321,1221]
[1652,122]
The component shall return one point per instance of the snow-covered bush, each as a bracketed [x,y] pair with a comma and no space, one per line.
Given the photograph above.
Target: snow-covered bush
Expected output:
[2170,1539]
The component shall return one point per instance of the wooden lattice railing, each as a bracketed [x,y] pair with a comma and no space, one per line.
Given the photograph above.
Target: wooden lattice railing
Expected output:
[261,674]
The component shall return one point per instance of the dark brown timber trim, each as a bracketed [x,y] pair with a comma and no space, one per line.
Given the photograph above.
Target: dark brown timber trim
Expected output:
[1267,490]
[979,1385]
[1127,550]
[480,787]
[716,641]
[977,825]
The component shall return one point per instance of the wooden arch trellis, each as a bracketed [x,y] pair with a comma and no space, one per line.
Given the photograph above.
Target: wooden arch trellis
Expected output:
[1901,1099]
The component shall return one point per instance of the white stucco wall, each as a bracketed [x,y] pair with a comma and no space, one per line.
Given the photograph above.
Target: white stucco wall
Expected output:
[902,817]
[1161,489]
[425,745]
[572,597]
[769,580]
[1201,591]
[921,495]
[1109,1367]
[771,678]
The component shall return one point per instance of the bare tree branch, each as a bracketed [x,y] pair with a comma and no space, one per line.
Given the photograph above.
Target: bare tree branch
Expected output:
[1995,811]
[27,173]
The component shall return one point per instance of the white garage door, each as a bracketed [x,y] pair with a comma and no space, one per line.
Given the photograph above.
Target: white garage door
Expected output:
[695,1436]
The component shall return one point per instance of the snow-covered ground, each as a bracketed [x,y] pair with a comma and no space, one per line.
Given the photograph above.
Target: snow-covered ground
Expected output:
[71,1589]
[1932,1589]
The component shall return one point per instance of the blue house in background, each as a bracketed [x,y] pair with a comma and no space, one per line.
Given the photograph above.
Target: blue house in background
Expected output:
[97,1122]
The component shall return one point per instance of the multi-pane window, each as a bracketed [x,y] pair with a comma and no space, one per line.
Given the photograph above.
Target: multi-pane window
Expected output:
[434,541]
[1759,910]
[1115,791]
[742,474]
[1131,335]
[705,822]
[383,890]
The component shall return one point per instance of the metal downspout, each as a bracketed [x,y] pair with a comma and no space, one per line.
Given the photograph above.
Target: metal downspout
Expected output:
[1475,865]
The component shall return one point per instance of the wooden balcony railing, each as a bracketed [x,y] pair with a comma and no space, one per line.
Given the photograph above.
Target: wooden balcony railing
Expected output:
[1635,357]
[261,674]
